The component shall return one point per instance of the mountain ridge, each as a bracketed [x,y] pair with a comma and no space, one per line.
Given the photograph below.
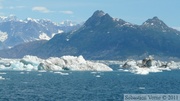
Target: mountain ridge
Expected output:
[103,37]
[20,31]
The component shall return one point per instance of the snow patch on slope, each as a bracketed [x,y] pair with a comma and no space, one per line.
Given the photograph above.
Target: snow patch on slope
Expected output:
[60,31]
[3,36]
[44,36]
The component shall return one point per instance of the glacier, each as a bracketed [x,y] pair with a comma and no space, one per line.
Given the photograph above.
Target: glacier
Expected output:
[33,63]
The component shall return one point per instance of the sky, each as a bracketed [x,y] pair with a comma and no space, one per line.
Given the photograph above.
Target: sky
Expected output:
[134,11]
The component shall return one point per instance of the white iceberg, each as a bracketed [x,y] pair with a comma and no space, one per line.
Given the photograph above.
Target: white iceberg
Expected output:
[148,65]
[1,78]
[74,63]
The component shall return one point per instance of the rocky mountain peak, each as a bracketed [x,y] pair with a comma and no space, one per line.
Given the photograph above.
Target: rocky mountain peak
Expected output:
[98,18]
[155,22]
[98,13]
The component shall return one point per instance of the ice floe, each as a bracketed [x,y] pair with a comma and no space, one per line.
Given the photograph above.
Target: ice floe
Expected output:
[61,73]
[98,76]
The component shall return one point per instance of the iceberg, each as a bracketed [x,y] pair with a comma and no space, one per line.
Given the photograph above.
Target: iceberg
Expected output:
[33,63]
[148,65]
[1,78]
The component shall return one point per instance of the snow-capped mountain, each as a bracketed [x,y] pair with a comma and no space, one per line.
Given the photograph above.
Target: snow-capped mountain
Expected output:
[8,18]
[104,37]
[14,31]
[156,23]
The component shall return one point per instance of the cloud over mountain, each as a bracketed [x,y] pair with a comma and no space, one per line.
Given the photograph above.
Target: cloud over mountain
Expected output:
[67,12]
[41,9]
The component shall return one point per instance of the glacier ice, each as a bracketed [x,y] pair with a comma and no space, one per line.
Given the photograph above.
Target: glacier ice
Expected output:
[29,63]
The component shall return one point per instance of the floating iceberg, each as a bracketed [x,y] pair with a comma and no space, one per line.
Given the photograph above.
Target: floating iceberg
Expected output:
[148,65]
[1,78]
[74,63]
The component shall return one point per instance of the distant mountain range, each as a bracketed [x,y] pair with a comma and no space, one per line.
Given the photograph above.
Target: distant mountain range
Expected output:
[104,37]
[14,31]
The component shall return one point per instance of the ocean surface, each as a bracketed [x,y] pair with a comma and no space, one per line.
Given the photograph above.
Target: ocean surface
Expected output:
[84,86]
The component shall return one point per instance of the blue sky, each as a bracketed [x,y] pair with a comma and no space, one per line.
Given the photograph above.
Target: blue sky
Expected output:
[134,11]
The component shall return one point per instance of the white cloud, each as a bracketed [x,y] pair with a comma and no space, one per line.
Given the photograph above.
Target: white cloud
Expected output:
[41,9]
[16,7]
[66,12]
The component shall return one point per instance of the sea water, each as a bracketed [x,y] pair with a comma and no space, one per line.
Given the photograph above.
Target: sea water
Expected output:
[84,86]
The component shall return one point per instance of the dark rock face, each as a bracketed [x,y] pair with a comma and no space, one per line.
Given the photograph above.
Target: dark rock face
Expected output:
[147,62]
